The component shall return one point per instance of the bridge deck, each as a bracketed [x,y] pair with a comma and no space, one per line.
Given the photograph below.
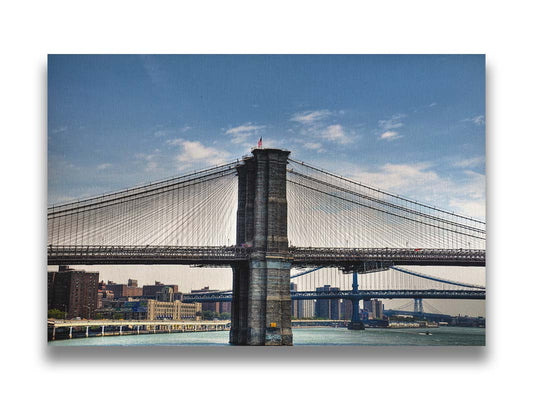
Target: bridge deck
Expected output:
[367,258]
[347,294]
[94,255]
[361,260]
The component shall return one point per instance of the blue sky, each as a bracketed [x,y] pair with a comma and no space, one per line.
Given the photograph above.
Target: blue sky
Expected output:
[413,125]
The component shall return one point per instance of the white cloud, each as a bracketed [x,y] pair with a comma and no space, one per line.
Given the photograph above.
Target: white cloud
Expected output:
[463,193]
[144,156]
[390,136]
[316,124]
[310,117]
[477,120]
[174,142]
[335,133]
[469,162]
[160,133]
[195,153]
[313,146]
[393,122]
[103,166]
[59,129]
[240,134]
[307,144]
[397,177]
[248,127]
[151,164]
[472,208]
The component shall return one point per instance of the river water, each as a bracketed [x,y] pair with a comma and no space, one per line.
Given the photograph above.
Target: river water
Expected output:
[442,336]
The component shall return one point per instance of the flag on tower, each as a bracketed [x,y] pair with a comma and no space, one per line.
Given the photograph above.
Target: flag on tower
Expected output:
[260,143]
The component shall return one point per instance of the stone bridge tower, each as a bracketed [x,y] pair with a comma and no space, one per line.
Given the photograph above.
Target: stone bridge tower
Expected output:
[261,306]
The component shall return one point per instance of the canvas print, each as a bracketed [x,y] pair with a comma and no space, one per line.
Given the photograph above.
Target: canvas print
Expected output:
[266,200]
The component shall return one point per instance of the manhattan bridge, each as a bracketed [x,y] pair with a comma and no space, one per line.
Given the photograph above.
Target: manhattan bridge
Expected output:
[263,216]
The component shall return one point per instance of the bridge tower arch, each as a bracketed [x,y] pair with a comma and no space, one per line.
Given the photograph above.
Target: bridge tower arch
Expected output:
[261,305]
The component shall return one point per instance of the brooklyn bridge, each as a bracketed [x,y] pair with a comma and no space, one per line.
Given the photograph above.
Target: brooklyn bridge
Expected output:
[263,216]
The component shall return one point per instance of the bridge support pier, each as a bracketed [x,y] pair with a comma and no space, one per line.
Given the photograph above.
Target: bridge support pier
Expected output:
[355,324]
[261,308]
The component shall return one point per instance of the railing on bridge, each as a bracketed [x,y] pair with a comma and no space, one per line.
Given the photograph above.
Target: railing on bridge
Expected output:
[373,259]
[213,255]
[361,260]
[348,294]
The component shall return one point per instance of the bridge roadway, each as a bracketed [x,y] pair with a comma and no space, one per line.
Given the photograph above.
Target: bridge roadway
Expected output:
[349,259]
[347,294]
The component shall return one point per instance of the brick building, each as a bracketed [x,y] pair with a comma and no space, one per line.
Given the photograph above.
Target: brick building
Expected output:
[151,291]
[121,290]
[73,291]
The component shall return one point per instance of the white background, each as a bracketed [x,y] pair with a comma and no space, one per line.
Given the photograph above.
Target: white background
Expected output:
[31,30]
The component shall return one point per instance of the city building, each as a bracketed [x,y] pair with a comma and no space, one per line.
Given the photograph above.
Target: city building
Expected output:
[346,310]
[173,310]
[214,306]
[149,309]
[73,291]
[327,308]
[306,309]
[373,309]
[121,290]
[150,291]
[301,308]
[103,293]
[294,303]
[165,295]
[225,307]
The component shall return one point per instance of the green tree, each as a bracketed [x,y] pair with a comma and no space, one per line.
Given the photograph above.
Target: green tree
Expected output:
[208,315]
[225,315]
[56,314]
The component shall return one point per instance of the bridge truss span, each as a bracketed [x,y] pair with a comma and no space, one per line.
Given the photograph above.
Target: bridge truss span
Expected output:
[349,294]
[372,259]
[360,260]
[185,255]
[391,294]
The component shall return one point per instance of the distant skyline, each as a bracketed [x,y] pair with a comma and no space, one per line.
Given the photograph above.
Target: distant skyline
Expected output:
[221,278]
[409,124]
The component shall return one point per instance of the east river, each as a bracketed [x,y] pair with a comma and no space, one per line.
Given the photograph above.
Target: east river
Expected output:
[442,336]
